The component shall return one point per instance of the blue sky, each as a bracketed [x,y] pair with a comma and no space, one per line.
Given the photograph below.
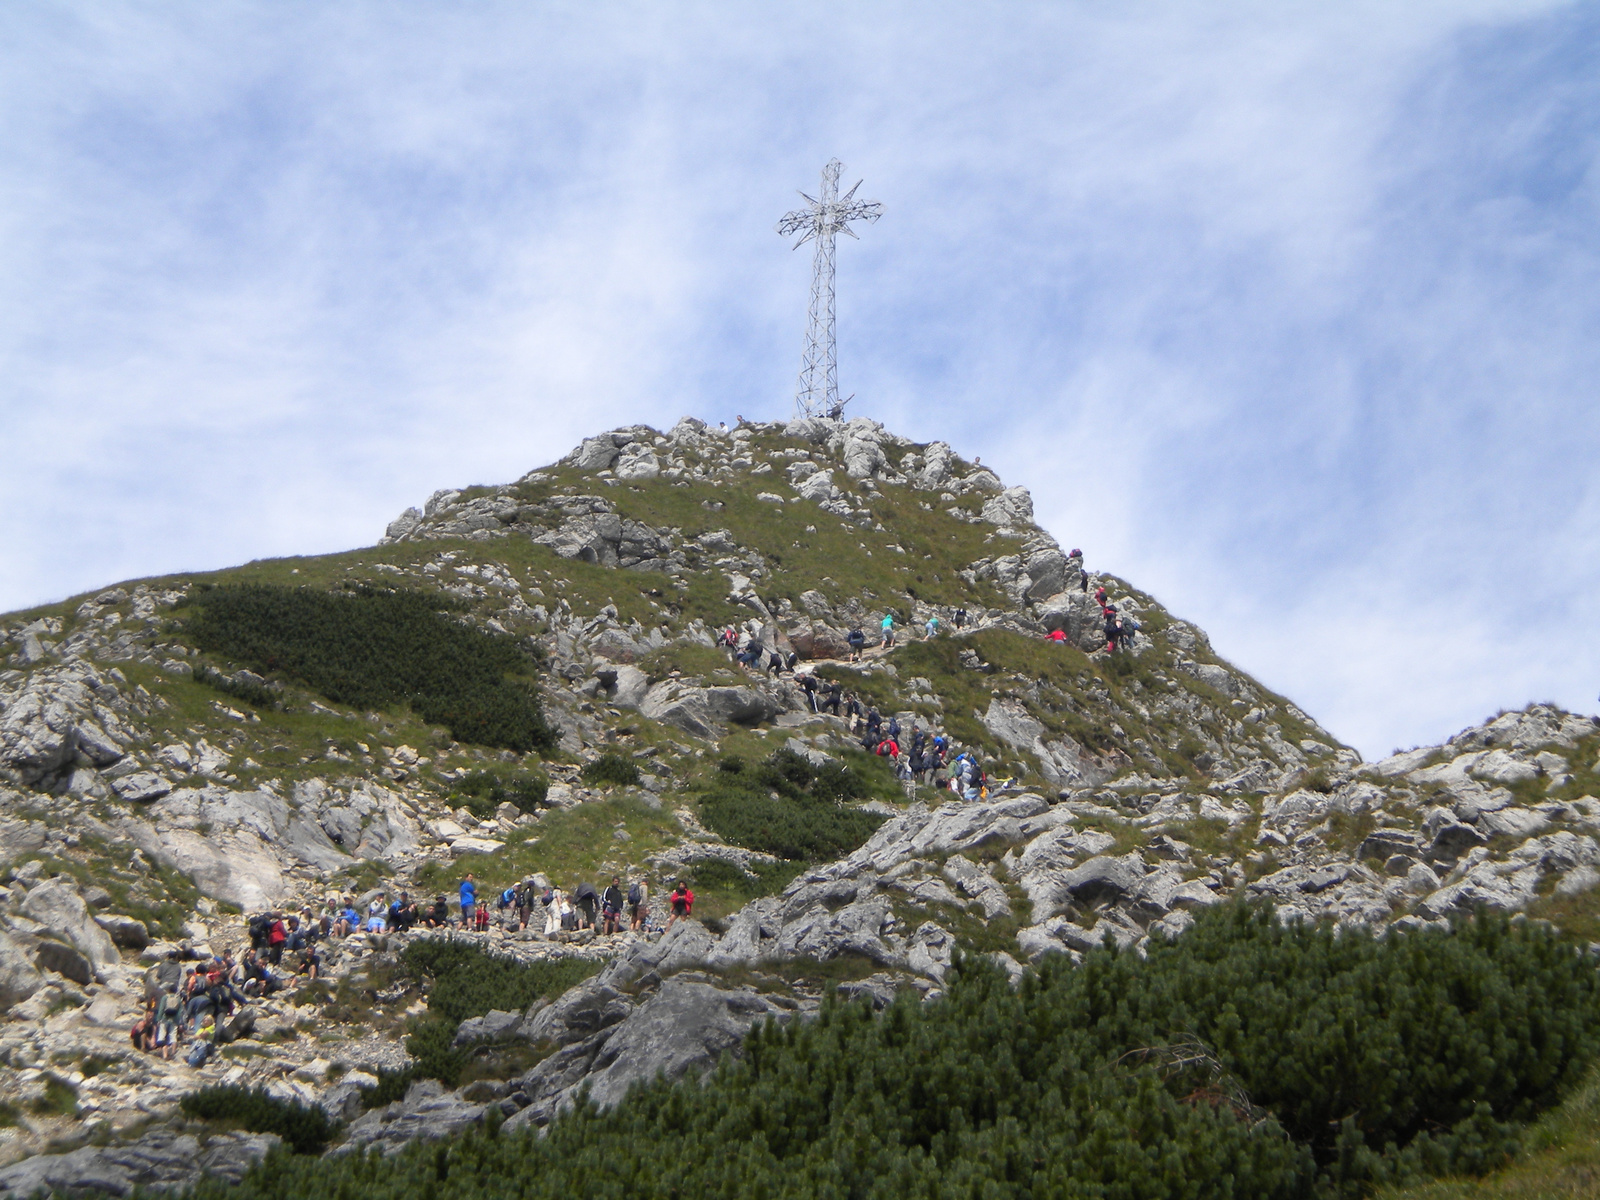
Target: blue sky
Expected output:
[1290,313]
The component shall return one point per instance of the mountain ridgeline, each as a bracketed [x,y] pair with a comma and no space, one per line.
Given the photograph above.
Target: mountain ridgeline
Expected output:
[1173,940]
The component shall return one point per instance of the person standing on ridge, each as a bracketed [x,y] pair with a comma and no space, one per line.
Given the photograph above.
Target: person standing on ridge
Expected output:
[469,901]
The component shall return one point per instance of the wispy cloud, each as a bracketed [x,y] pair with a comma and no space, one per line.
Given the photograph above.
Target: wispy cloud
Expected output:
[1286,312]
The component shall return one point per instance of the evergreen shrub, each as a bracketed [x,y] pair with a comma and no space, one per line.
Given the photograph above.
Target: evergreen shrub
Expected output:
[375,649]
[808,821]
[465,981]
[304,1128]
[612,768]
[1245,1060]
[482,792]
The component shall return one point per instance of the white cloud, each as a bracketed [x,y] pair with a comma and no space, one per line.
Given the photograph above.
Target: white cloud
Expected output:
[1287,312]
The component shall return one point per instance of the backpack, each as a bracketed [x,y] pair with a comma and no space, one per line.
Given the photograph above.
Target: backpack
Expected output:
[507,898]
[634,894]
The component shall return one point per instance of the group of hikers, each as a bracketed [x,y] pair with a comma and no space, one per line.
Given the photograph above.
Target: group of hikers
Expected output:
[198,1003]
[750,651]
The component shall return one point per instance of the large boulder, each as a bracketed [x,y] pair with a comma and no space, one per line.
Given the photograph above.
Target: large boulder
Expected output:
[19,978]
[161,1159]
[57,905]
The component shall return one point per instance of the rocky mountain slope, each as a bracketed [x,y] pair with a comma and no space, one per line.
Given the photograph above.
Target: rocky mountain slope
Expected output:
[155,791]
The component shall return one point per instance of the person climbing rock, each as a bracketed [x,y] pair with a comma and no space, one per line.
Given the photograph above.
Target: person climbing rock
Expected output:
[858,641]
[931,629]
[1113,628]
[888,630]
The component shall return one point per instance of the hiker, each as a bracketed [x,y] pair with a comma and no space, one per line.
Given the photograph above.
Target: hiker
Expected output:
[439,915]
[874,725]
[469,900]
[587,902]
[682,901]
[1100,596]
[858,642]
[277,935]
[524,903]
[852,711]
[831,692]
[166,1018]
[143,1033]
[552,900]
[959,618]
[1113,628]
[165,976]
[377,918]
[638,906]
[402,913]
[888,630]
[348,921]
[1057,635]
[808,685]
[888,748]
[611,907]
[931,629]
[775,662]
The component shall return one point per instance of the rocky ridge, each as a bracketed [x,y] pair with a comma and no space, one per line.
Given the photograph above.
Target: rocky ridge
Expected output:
[140,809]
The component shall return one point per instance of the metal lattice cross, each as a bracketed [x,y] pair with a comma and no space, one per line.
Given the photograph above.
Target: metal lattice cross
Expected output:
[824,216]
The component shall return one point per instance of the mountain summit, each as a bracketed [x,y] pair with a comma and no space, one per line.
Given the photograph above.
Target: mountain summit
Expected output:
[533,682]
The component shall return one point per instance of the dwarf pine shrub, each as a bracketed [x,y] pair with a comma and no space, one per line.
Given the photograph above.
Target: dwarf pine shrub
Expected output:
[304,1128]
[375,649]
[788,808]
[612,768]
[1245,1060]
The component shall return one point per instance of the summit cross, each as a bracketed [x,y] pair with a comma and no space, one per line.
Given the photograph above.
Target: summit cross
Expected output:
[824,216]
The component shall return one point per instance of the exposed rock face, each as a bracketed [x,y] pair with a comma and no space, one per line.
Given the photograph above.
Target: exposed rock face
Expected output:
[57,906]
[160,1159]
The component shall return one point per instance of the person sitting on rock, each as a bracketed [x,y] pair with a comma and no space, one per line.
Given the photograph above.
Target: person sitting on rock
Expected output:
[143,1033]
[309,964]
[377,917]
[402,913]
[439,915]
[296,941]
[348,921]
[258,981]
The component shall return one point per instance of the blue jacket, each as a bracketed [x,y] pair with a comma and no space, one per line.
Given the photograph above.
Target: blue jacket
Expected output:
[469,893]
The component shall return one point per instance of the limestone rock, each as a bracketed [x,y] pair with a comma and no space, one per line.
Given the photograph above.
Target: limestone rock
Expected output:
[19,978]
[57,906]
